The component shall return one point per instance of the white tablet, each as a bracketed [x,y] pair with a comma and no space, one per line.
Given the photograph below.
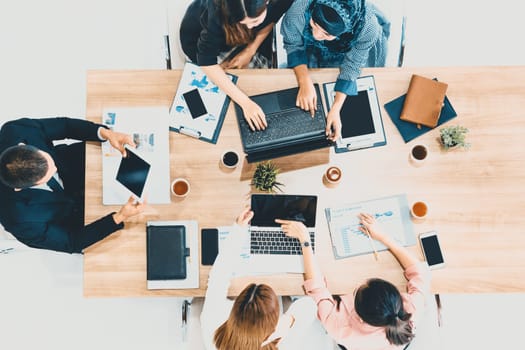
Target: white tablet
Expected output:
[362,126]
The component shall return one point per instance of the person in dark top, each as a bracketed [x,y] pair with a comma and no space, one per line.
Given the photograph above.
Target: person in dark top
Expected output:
[42,185]
[226,34]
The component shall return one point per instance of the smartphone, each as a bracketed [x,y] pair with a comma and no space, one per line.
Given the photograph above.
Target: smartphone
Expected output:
[194,102]
[432,249]
[209,245]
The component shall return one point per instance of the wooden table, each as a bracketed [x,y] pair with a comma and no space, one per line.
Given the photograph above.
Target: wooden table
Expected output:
[476,196]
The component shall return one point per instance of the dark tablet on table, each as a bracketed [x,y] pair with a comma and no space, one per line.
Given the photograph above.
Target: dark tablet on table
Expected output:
[133,172]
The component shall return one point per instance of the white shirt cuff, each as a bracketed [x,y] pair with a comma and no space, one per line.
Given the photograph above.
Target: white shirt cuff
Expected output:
[99,135]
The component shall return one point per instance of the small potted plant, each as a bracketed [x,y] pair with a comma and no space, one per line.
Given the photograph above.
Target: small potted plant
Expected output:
[265,177]
[453,136]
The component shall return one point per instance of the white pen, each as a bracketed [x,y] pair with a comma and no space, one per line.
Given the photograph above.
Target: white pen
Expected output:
[371,243]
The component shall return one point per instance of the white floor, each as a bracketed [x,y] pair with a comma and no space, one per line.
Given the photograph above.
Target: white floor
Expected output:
[46,48]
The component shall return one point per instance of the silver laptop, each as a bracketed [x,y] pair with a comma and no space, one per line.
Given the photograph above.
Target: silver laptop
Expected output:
[270,249]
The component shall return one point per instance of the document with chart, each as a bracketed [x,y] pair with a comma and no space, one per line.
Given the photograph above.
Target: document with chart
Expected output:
[392,213]
[149,128]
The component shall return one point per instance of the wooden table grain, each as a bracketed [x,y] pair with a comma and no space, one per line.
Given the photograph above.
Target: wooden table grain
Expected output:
[476,197]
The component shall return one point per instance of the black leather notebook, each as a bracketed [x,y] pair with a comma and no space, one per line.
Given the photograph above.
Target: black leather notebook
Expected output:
[166,252]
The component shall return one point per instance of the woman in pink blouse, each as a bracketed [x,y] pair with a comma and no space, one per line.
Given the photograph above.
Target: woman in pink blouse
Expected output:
[376,315]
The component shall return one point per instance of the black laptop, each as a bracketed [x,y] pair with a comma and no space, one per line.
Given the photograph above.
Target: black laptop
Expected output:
[290,129]
[270,249]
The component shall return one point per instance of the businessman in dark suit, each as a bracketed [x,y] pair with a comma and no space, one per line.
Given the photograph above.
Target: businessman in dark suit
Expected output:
[42,185]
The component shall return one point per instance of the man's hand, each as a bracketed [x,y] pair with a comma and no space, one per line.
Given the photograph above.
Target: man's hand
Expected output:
[131,208]
[117,140]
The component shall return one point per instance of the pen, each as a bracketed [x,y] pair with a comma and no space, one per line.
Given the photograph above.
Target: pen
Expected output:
[6,251]
[371,243]
[184,325]
[167,52]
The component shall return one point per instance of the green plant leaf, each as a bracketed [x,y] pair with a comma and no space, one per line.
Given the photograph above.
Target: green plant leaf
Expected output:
[265,177]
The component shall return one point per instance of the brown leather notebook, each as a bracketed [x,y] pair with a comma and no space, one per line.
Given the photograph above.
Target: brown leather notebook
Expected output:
[424,100]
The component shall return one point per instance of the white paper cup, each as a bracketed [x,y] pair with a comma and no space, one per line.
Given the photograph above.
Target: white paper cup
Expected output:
[419,154]
[419,210]
[180,187]
[333,175]
[230,159]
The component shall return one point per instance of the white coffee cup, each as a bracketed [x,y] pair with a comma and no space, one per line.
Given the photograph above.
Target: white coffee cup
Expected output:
[333,174]
[230,159]
[180,187]
[419,210]
[419,154]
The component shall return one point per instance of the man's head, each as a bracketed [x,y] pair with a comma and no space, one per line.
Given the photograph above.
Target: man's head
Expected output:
[23,166]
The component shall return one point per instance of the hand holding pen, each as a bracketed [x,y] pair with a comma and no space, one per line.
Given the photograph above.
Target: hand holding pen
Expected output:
[371,229]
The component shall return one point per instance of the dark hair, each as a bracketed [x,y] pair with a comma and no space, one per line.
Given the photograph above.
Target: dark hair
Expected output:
[379,304]
[234,11]
[253,318]
[22,166]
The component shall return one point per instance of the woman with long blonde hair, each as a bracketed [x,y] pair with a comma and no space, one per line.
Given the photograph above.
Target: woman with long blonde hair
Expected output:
[254,320]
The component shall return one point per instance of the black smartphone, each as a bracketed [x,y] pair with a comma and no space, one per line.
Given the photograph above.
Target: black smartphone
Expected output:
[432,249]
[209,245]
[194,102]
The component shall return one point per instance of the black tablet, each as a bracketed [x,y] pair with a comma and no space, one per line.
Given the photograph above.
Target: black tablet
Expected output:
[133,172]
[362,125]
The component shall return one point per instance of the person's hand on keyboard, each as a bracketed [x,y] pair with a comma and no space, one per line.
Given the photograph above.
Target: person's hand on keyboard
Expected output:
[307,97]
[295,229]
[254,115]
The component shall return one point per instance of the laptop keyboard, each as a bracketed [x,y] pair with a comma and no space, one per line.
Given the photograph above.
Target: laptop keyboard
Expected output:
[276,242]
[290,124]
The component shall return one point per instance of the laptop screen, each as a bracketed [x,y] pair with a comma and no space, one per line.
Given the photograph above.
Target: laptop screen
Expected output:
[133,172]
[267,208]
